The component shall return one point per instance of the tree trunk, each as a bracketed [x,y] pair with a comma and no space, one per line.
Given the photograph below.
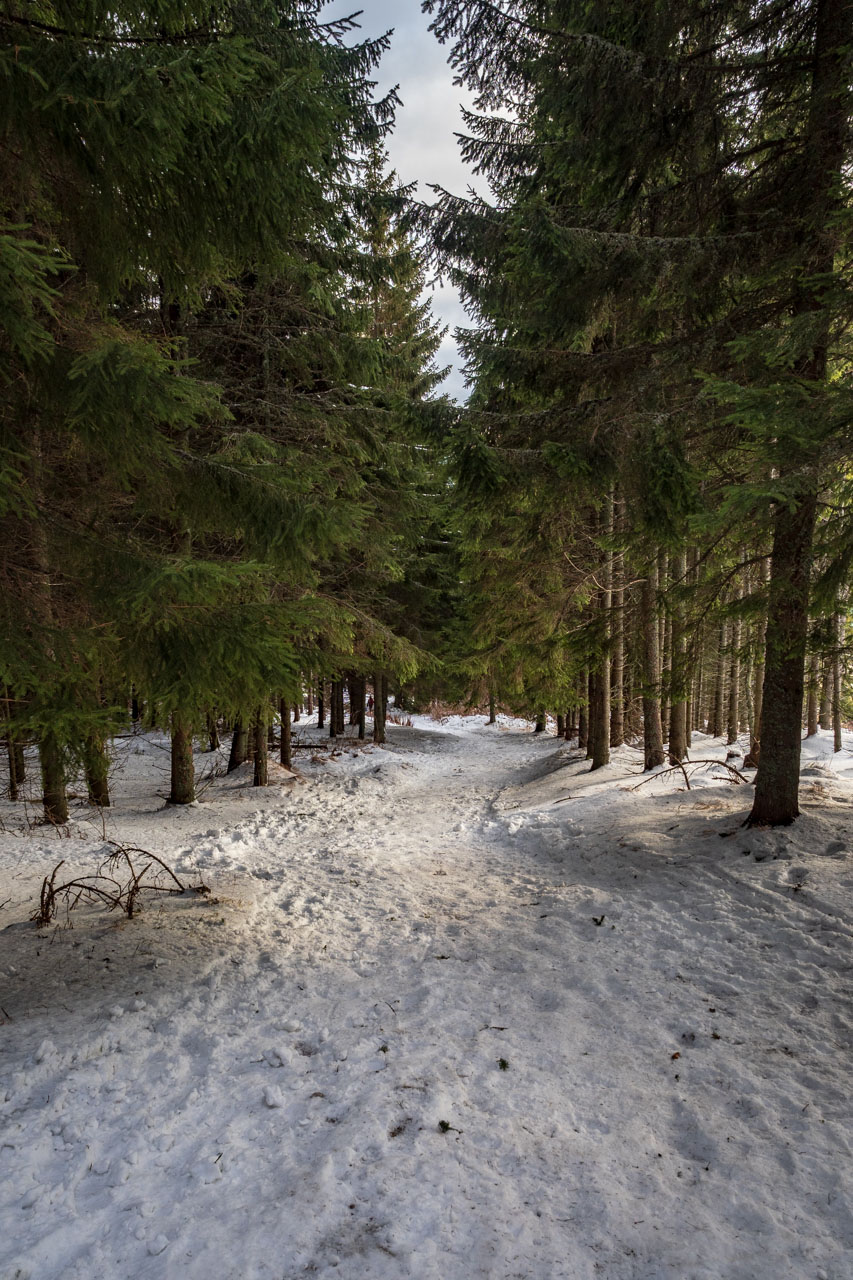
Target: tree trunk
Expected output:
[719,684]
[238,752]
[813,700]
[561,726]
[601,705]
[777,781]
[653,753]
[836,681]
[733,716]
[678,674]
[492,716]
[13,781]
[583,713]
[333,710]
[361,706]
[321,705]
[259,729]
[826,695]
[825,147]
[183,770]
[340,709]
[758,679]
[380,695]
[213,733]
[617,664]
[96,768]
[54,798]
[286,756]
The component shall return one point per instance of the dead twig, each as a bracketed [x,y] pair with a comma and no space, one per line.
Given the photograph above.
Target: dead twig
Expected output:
[116,884]
[736,776]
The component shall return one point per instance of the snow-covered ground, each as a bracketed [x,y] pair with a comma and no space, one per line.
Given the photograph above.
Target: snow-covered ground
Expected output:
[454,1008]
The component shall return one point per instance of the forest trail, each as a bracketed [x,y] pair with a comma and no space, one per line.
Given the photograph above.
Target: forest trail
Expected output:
[453,1009]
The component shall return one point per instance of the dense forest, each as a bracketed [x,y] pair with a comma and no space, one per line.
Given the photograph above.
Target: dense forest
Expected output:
[228,479]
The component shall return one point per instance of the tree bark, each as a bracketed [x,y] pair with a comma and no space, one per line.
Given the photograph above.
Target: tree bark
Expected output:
[813,699]
[617,662]
[13,781]
[733,716]
[492,716]
[777,781]
[601,704]
[183,770]
[259,729]
[361,705]
[716,728]
[54,798]
[238,751]
[380,696]
[677,673]
[286,756]
[583,714]
[96,768]
[836,681]
[321,705]
[653,752]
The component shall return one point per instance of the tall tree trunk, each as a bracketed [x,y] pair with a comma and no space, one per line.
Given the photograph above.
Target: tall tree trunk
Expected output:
[96,767]
[213,732]
[777,781]
[286,756]
[13,781]
[583,712]
[334,731]
[492,716]
[341,709]
[826,695]
[601,706]
[361,705]
[719,684]
[733,716]
[259,729]
[54,798]
[561,725]
[653,753]
[758,677]
[617,648]
[238,753]
[380,697]
[836,680]
[183,770]
[678,675]
[321,705]
[814,696]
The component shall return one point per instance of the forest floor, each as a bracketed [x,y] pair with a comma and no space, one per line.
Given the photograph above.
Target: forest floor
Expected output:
[453,1008]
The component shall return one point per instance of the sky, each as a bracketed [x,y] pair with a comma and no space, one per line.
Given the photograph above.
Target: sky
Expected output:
[422,148]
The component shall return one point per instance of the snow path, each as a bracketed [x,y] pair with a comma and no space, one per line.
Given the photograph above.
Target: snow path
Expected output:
[634,1017]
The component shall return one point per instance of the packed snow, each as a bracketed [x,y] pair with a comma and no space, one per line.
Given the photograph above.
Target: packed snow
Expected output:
[455,1007]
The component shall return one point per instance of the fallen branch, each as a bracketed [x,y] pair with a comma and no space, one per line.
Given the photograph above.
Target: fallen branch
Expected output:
[736,776]
[116,884]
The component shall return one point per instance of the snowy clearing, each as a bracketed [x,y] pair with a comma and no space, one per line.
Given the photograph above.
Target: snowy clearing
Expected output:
[453,1008]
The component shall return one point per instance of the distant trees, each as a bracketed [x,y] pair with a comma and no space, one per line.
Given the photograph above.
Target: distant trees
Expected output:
[661,294]
[198,423]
